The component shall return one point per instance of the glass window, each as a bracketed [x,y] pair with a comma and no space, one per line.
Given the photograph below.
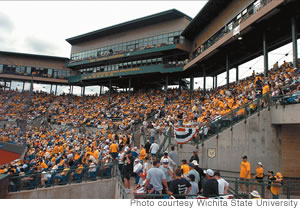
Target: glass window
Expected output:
[134,64]
[125,65]
[1,68]
[139,62]
[144,62]
[50,71]
[105,68]
[149,62]
[129,64]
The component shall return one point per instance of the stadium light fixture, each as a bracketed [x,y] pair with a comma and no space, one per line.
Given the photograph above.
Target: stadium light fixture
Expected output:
[240,38]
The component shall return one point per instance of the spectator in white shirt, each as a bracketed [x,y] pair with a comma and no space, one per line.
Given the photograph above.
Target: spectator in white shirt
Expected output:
[223,184]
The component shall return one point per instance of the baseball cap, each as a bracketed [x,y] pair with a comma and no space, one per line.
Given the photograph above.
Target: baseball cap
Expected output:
[271,172]
[166,153]
[165,160]
[259,163]
[278,174]
[255,193]
[195,162]
[209,172]
[245,156]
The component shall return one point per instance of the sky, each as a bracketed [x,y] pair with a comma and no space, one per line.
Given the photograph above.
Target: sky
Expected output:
[41,27]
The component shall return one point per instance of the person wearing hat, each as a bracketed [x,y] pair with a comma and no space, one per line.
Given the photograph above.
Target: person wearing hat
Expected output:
[113,149]
[194,172]
[211,186]
[245,170]
[137,167]
[259,176]
[201,174]
[168,171]
[195,157]
[276,185]
[171,163]
[255,195]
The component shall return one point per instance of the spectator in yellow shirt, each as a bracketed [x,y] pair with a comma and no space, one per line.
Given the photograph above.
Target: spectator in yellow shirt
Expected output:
[245,170]
[113,150]
[276,185]
[184,167]
[259,176]
[142,153]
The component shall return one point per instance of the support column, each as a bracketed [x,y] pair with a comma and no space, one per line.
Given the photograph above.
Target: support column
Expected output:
[72,90]
[294,39]
[31,85]
[4,85]
[179,82]
[265,51]
[23,86]
[100,90]
[50,88]
[83,91]
[56,90]
[10,85]
[129,86]
[166,89]
[213,86]
[204,82]
[216,82]
[227,72]
[191,87]
[237,74]
[109,91]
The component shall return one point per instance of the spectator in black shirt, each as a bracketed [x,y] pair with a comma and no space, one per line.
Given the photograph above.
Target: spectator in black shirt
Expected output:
[201,174]
[127,169]
[179,186]
[147,146]
[211,186]
[194,157]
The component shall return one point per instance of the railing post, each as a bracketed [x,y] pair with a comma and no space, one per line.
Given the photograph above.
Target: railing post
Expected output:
[231,120]
[288,195]
[263,190]
[236,186]
[246,114]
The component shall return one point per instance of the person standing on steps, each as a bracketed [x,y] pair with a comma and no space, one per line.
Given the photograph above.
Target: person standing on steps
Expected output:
[245,169]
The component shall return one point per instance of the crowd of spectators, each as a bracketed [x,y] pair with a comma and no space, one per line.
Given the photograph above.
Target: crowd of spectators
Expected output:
[61,155]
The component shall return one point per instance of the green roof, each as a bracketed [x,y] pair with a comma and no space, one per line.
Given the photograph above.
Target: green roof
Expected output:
[133,24]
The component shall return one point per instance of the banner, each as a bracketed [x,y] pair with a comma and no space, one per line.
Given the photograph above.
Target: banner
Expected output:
[184,135]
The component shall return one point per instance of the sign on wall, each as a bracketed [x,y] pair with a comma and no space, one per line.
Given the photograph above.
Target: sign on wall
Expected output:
[211,152]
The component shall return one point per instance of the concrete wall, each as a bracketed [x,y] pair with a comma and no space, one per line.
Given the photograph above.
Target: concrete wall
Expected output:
[3,185]
[289,114]
[144,32]
[101,189]
[13,148]
[257,139]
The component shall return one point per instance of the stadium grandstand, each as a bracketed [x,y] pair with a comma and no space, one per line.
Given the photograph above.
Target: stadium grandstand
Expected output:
[143,139]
